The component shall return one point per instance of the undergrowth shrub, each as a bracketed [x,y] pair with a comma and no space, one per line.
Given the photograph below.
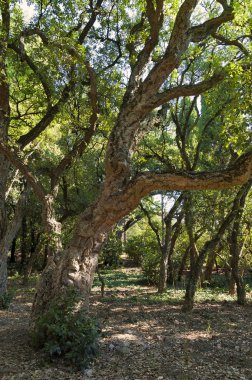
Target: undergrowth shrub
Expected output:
[68,333]
[6,298]
[150,266]
[144,251]
[134,249]
[111,252]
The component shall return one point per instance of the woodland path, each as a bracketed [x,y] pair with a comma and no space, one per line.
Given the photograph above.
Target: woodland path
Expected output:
[140,341]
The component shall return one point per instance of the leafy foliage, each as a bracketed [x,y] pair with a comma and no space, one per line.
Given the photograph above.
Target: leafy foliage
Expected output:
[143,249]
[65,331]
[110,255]
[5,299]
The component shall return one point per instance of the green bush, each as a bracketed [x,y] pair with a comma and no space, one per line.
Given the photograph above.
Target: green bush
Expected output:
[143,249]
[66,332]
[110,255]
[150,266]
[5,299]
[134,249]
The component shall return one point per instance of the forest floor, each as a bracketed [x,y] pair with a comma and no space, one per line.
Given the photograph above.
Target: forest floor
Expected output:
[145,336]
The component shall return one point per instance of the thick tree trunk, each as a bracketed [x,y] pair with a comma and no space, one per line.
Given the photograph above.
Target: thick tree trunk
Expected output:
[76,265]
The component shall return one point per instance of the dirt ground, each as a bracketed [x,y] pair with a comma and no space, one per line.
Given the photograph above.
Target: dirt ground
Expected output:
[139,341]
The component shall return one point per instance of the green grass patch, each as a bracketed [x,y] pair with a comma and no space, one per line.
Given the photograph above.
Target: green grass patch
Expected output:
[217,291]
[120,279]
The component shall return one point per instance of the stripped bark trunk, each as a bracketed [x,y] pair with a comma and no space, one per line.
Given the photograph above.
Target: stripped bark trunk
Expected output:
[76,265]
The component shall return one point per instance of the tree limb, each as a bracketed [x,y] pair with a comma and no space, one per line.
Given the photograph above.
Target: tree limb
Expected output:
[237,174]
[31,179]
[79,147]
[186,90]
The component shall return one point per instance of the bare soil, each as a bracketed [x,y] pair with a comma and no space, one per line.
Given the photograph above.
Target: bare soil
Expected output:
[139,341]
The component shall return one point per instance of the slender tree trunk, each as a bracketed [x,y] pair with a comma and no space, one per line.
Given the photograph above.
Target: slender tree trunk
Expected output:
[170,269]
[189,222]
[13,251]
[209,266]
[235,247]
[211,246]
[6,241]
[231,285]
[211,261]
[24,245]
[195,273]
[34,252]
[163,271]
[183,263]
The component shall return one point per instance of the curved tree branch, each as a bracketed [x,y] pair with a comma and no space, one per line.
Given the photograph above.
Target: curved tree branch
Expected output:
[31,179]
[237,174]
